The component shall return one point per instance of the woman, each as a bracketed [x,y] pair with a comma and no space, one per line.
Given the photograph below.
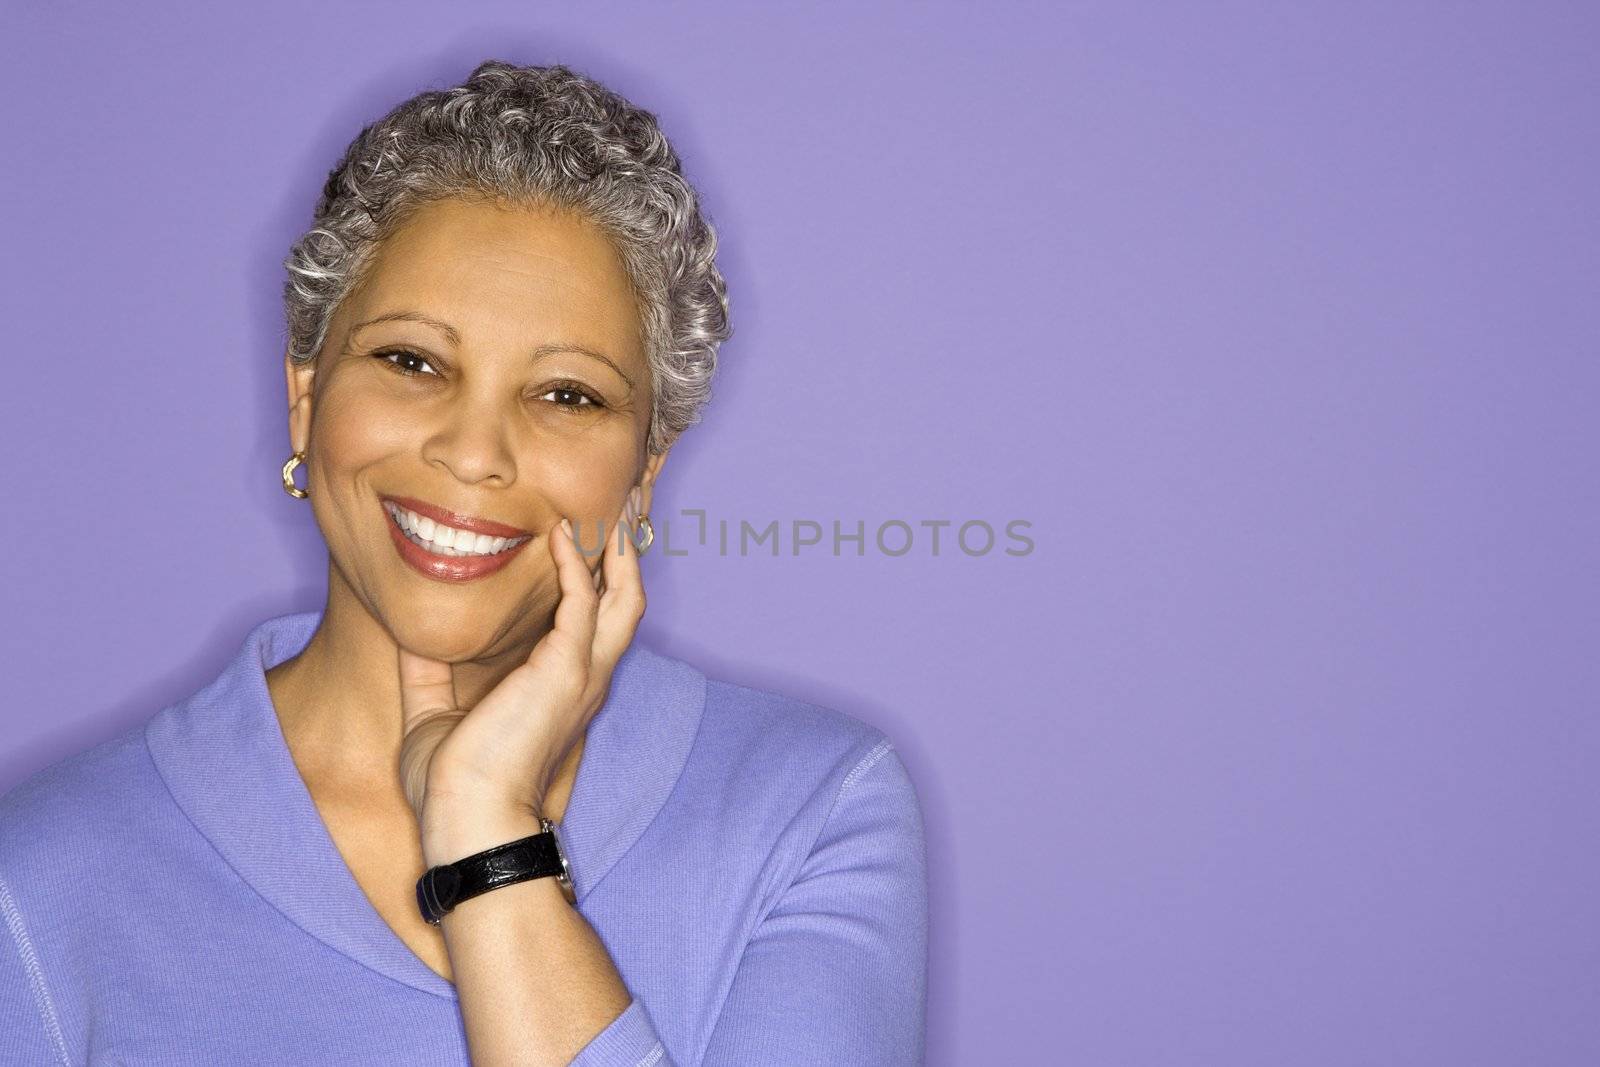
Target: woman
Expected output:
[458,815]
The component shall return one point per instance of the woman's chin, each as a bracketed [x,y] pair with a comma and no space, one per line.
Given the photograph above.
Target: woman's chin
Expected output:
[447,638]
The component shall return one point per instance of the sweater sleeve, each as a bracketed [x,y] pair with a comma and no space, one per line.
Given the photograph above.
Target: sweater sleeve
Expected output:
[629,1041]
[24,1001]
[836,973]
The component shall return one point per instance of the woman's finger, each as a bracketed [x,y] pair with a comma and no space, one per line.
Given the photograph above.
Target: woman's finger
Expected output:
[614,536]
[426,686]
[575,614]
[623,603]
[428,714]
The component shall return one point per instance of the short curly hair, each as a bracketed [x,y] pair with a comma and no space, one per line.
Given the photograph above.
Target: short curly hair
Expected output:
[537,136]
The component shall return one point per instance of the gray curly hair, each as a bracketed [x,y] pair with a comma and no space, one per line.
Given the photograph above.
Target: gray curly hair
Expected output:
[534,135]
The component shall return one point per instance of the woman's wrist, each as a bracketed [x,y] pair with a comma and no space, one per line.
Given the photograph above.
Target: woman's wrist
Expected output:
[455,829]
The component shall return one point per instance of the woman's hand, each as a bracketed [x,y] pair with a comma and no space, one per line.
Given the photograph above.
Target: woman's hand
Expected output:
[504,753]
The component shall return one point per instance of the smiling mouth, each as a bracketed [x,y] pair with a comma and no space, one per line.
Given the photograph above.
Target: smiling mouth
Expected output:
[441,539]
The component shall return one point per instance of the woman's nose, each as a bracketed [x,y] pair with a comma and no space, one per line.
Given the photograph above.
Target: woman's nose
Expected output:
[473,443]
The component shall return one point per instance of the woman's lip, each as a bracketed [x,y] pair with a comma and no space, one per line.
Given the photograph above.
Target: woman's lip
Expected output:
[458,520]
[447,568]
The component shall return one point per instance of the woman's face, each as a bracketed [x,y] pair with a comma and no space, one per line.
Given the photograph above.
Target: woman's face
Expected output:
[525,399]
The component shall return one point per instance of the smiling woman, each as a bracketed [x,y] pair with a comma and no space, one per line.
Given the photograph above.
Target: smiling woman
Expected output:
[489,363]
[459,814]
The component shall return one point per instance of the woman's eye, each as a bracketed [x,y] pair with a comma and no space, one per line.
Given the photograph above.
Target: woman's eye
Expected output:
[568,396]
[402,359]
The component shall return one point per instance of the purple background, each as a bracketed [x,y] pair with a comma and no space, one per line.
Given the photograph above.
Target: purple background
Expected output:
[1278,324]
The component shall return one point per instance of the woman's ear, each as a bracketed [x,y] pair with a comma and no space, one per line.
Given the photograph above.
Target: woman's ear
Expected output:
[299,376]
[647,481]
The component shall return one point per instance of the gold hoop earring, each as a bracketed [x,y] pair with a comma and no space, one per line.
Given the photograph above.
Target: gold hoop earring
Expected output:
[288,476]
[649,535]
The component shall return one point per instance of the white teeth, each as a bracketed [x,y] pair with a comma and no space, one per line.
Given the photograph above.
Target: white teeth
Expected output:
[444,540]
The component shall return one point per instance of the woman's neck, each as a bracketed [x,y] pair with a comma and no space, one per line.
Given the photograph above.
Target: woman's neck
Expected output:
[338,705]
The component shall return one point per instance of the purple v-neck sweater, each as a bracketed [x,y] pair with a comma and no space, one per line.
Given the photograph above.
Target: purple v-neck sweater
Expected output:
[754,865]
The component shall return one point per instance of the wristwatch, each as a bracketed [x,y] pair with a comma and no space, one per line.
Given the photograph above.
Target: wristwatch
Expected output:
[441,888]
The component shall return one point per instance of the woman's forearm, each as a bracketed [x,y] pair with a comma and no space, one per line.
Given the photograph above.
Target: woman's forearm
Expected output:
[534,981]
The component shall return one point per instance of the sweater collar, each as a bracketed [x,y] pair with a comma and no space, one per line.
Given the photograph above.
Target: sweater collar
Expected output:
[222,754]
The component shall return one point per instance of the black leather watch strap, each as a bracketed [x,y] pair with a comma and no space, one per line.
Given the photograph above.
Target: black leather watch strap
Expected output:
[441,888]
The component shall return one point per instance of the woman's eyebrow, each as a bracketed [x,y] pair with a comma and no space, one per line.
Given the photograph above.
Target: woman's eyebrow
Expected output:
[552,347]
[546,349]
[411,316]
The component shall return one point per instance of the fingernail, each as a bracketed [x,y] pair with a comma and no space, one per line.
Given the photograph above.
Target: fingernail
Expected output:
[566,524]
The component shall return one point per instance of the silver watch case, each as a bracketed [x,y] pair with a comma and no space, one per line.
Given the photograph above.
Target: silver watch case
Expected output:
[565,877]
